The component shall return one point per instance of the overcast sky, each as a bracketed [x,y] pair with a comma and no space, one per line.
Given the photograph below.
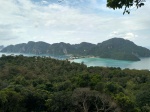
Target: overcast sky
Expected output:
[70,21]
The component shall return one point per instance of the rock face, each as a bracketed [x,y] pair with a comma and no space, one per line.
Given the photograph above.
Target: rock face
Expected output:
[1,47]
[115,48]
[121,49]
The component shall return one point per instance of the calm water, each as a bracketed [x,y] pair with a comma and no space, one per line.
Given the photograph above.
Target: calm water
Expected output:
[143,64]
[61,57]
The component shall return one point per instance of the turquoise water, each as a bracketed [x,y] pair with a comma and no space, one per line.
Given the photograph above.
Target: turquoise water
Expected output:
[143,64]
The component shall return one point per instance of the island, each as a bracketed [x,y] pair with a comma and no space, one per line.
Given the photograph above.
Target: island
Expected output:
[114,48]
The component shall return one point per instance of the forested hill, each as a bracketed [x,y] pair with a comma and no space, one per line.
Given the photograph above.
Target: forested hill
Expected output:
[35,84]
[115,48]
[1,47]
[118,48]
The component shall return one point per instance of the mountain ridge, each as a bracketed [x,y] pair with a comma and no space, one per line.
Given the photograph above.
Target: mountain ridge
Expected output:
[1,47]
[114,48]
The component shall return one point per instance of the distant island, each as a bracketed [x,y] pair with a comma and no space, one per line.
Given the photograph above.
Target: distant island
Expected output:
[1,47]
[115,48]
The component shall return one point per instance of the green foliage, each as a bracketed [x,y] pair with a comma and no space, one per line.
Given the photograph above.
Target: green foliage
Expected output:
[143,98]
[49,85]
[127,4]
[59,102]
[11,101]
[113,88]
[125,102]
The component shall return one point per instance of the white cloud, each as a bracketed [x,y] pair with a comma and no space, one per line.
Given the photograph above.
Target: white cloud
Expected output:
[130,36]
[24,20]
[44,2]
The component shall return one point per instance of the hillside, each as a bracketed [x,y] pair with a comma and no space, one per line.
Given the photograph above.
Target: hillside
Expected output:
[1,47]
[42,84]
[121,49]
[115,48]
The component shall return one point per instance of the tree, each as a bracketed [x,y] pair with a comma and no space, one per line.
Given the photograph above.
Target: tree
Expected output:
[86,100]
[126,104]
[127,4]
[59,102]
[119,4]
[143,98]
[11,101]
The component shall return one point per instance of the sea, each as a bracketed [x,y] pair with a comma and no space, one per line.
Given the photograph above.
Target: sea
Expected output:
[60,57]
[143,64]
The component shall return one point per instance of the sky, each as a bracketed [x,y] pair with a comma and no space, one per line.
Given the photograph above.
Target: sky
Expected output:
[71,21]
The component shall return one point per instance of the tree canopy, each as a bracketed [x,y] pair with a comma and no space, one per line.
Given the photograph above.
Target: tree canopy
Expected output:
[126,4]
[43,84]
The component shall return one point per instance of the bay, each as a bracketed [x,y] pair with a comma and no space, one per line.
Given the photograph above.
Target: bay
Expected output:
[144,64]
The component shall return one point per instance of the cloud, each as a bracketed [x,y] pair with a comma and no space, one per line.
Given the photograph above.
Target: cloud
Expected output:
[130,36]
[71,21]
[6,32]
[44,2]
